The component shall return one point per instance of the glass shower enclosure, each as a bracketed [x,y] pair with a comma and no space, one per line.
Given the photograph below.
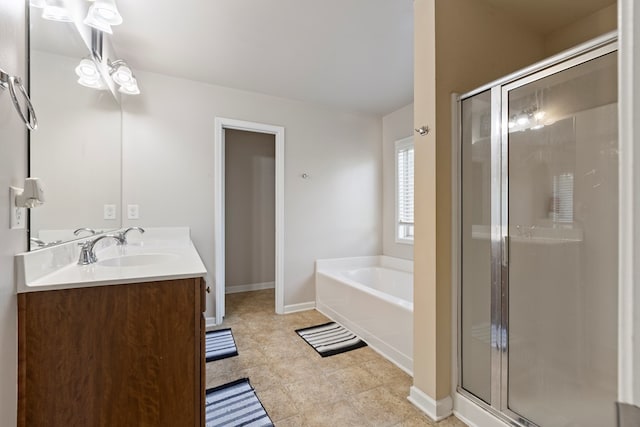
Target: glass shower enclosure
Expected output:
[538,242]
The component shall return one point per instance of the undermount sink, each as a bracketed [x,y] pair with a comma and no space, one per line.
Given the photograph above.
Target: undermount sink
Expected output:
[137,260]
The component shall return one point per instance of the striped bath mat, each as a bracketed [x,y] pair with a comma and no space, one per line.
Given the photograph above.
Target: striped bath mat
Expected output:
[235,404]
[330,338]
[220,345]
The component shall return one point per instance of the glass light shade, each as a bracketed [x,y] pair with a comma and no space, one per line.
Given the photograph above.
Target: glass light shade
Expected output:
[41,4]
[106,11]
[130,88]
[97,23]
[54,10]
[87,69]
[122,74]
[92,83]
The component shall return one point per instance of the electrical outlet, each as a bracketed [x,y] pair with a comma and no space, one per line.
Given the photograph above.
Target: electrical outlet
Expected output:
[133,212]
[18,216]
[109,212]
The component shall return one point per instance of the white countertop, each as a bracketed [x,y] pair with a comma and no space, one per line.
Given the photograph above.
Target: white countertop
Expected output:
[56,267]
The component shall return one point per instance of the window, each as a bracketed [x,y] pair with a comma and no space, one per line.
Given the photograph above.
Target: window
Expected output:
[404,190]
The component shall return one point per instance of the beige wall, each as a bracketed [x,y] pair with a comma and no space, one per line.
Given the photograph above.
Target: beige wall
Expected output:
[395,126]
[469,49]
[587,28]
[250,210]
[425,324]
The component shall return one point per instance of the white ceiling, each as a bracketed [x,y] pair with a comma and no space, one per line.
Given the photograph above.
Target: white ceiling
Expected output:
[349,54]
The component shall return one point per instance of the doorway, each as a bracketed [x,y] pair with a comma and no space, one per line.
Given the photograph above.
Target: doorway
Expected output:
[243,263]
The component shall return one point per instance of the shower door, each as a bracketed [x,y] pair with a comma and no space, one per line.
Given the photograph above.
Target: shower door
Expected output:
[539,240]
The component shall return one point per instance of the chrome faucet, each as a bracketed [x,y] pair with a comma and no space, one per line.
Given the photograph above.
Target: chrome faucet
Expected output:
[42,244]
[123,234]
[38,242]
[80,230]
[87,252]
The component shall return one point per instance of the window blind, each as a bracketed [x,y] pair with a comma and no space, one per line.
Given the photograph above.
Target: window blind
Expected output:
[405,166]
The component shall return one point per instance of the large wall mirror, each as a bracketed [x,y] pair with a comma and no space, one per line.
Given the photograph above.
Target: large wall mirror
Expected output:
[76,151]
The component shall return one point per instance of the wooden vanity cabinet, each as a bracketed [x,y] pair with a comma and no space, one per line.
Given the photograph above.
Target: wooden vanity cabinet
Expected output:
[112,356]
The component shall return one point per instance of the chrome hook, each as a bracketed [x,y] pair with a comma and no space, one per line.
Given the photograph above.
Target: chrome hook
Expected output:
[424,130]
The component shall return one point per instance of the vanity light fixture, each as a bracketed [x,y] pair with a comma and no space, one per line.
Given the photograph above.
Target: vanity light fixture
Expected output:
[130,88]
[102,15]
[40,4]
[531,118]
[54,10]
[539,115]
[98,24]
[88,75]
[123,76]
[522,120]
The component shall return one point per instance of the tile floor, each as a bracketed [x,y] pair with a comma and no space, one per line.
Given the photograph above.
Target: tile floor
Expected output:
[297,386]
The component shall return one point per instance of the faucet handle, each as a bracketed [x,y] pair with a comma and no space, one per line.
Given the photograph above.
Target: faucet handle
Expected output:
[87,255]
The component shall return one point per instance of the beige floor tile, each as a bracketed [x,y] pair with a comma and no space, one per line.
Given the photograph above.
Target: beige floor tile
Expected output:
[334,363]
[383,408]
[297,386]
[352,380]
[418,421]
[384,370]
[294,421]
[261,377]
[277,403]
[311,393]
[296,369]
[340,413]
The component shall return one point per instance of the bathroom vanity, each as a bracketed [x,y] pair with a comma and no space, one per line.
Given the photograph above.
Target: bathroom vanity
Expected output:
[125,349]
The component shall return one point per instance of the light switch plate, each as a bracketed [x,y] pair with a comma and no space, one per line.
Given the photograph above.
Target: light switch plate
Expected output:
[109,211]
[18,216]
[133,212]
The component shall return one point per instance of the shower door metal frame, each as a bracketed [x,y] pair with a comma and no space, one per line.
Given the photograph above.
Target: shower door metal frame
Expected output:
[499,405]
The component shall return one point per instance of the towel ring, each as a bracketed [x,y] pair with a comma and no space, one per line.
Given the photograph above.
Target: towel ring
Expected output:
[10,82]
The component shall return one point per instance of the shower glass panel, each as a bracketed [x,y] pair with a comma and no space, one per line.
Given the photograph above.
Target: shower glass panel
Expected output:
[538,256]
[476,245]
[563,228]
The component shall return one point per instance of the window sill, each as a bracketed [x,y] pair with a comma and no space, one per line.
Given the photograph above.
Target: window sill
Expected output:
[404,241]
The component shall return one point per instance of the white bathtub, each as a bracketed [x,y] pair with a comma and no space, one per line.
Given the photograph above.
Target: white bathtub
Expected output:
[373,297]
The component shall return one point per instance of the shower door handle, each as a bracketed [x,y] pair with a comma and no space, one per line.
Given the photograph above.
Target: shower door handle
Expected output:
[505,250]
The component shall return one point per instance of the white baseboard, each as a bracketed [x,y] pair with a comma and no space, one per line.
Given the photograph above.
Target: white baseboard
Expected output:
[435,409]
[473,415]
[293,308]
[209,322]
[250,287]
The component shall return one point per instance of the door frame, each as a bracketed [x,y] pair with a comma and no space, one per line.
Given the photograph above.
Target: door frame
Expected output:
[629,234]
[221,124]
